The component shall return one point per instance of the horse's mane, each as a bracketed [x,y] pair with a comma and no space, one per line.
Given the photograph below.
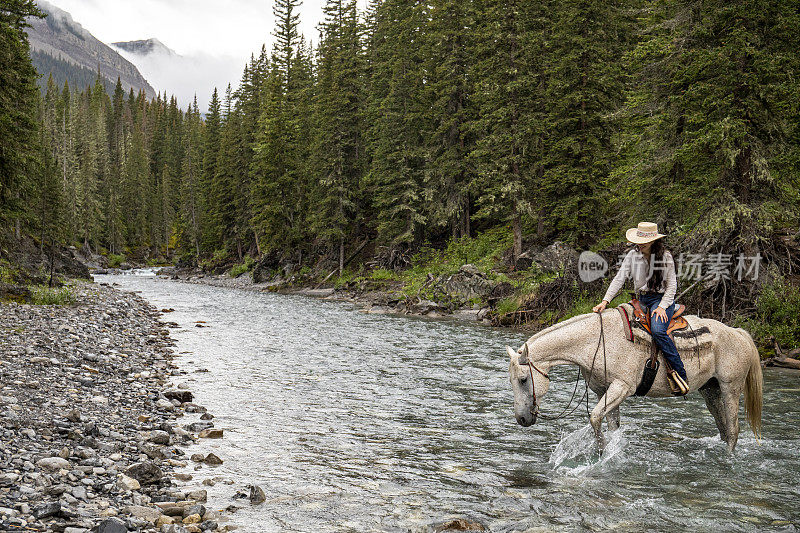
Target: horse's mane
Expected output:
[558,325]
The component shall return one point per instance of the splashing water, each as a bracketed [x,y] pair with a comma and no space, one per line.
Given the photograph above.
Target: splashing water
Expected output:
[576,453]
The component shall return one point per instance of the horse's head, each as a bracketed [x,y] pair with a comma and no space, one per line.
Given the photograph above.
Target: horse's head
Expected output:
[526,397]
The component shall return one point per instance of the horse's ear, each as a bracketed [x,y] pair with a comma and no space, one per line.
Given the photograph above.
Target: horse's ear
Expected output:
[523,354]
[511,353]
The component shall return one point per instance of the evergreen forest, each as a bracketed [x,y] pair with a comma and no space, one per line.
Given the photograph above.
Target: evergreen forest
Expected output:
[414,124]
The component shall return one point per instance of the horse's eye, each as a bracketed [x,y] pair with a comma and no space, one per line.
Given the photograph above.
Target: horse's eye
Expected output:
[524,380]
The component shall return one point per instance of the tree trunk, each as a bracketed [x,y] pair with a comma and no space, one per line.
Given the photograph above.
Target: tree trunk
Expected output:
[466,230]
[341,256]
[517,226]
[258,244]
[540,224]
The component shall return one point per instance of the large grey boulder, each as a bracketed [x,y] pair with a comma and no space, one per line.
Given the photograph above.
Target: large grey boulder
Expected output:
[557,256]
[145,472]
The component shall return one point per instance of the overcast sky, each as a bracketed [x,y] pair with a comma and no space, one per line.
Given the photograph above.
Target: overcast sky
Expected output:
[216,37]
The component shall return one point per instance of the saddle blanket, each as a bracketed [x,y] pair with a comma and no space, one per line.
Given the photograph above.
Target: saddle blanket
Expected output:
[686,339]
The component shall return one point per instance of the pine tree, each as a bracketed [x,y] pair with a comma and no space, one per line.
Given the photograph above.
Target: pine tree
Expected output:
[503,98]
[449,177]
[18,95]
[396,113]
[279,199]
[211,235]
[118,144]
[338,146]
[191,215]
[585,86]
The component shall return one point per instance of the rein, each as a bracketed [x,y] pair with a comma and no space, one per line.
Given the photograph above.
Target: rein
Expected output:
[564,413]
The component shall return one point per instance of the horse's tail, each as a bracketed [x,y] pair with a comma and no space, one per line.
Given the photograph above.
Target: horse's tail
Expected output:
[753,388]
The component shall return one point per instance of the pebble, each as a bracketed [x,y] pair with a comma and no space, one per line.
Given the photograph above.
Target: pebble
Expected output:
[53,464]
[127,483]
[112,525]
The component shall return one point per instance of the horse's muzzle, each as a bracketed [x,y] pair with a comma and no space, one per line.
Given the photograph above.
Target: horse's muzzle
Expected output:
[526,422]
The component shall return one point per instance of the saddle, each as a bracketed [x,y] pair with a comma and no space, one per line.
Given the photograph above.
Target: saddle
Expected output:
[677,322]
[642,319]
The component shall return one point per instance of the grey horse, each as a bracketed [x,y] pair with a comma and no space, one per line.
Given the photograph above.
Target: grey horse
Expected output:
[730,366]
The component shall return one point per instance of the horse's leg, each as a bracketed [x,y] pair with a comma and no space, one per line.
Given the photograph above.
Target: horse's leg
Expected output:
[612,419]
[730,401]
[614,395]
[713,396]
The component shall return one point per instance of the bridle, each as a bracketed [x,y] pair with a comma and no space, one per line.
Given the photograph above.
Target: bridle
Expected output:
[535,406]
[531,367]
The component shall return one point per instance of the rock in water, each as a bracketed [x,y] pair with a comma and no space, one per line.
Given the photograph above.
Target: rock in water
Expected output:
[257,494]
[212,459]
[112,525]
[199,496]
[145,473]
[459,524]
[182,396]
[211,434]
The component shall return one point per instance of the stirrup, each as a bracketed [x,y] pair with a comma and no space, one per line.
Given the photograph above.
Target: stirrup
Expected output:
[677,384]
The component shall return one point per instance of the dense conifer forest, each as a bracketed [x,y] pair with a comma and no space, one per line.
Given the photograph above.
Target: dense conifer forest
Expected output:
[418,122]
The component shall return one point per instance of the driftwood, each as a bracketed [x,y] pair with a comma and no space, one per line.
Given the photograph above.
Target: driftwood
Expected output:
[784,360]
[347,262]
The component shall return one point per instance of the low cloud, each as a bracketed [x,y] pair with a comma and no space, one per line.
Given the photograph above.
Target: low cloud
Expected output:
[188,75]
[61,20]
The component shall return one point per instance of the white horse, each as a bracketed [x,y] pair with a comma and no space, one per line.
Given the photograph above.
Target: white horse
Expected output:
[729,366]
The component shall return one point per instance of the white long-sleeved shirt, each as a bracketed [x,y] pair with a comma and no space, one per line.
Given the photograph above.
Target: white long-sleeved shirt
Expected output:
[636,265]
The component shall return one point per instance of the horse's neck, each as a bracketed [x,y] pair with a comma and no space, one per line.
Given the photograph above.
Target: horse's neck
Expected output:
[571,344]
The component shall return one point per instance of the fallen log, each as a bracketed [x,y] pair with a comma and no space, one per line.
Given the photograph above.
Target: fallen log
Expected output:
[783,360]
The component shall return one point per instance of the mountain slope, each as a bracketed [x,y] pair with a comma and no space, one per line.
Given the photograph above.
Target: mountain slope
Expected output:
[62,46]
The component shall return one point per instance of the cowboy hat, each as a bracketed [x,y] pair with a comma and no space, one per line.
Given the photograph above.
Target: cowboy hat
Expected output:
[645,232]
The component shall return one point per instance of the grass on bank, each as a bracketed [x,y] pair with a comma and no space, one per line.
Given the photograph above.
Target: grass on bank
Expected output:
[115,260]
[246,266]
[485,251]
[42,295]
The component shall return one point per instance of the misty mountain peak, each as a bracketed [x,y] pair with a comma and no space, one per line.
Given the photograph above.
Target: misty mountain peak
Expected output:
[145,47]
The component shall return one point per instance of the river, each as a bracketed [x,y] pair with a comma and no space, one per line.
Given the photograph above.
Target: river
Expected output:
[359,422]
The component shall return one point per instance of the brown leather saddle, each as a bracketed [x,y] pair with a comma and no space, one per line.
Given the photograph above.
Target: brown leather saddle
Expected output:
[676,323]
[642,319]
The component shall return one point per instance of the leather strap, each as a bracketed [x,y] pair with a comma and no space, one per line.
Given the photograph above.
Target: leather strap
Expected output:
[626,323]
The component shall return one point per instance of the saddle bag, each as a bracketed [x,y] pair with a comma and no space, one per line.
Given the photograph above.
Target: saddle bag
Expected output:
[648,376]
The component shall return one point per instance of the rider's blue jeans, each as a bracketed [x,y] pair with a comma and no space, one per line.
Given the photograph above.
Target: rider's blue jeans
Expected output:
[649,302]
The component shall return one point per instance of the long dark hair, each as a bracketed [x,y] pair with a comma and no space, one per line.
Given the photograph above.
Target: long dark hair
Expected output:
[657,250]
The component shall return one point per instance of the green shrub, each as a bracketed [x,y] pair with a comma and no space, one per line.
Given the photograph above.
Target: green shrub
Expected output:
[8,274]
[507,305]
[114,260]
[777,315]
[246,266]
[382,274]
[52,296]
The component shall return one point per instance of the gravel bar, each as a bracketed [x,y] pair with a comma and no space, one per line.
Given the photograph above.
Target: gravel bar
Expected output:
[89,433]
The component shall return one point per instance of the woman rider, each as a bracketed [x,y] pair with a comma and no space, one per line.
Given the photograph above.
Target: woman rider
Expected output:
[653,271]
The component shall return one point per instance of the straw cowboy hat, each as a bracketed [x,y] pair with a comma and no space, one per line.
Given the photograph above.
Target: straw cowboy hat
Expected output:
[643,233]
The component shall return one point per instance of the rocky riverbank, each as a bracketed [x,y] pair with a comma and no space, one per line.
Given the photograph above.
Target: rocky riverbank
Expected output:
[92,438]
